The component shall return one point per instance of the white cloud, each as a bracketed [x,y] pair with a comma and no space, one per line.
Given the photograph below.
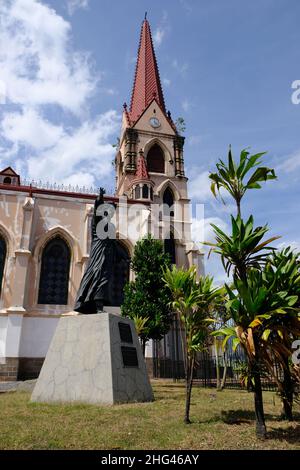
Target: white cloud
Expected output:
[162,30]
[29,128]
[37,63]
[294,244]
[202,231]
[199,186]
[194,140]
[158,36]
[290,164]
[186,105]
[180,68]
[49,86]
[166,81]
[85,147]
[73,5]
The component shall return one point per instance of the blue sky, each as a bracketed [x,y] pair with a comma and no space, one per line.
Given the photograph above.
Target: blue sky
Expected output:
[227,67]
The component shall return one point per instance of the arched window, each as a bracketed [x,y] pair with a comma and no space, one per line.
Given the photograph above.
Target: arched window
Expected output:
[168,200]
[145,191]
[55,268]
[120,276]
[156,159]
[7,180]
[137,192]
[3,251]
[169,245]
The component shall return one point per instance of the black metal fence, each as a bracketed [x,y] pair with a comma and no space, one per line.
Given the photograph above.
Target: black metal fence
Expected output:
[208,367]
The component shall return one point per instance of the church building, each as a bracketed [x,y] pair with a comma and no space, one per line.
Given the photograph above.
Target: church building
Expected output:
[45,230]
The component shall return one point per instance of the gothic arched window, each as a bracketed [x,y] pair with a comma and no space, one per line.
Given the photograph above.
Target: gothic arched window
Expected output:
[120,276]
[137,192]
[168,200]
[3,251]
[156,159]
[145,191]
[54,277]
[169,245]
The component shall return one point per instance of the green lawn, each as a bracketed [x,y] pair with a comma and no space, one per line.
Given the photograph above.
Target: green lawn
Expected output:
[220,420]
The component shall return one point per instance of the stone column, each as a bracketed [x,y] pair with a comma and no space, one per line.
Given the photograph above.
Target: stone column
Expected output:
[17,310]
[87,237]
[178,151]
[130,152]
[22,256]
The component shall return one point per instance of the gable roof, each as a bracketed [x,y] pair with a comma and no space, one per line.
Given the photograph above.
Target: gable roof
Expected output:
[8,171]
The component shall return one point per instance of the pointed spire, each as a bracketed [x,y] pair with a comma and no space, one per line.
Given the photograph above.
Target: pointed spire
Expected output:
[141,168]
[146,82]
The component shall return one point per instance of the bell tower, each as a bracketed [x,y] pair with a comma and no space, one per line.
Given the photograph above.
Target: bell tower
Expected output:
[149,162]
[148,129]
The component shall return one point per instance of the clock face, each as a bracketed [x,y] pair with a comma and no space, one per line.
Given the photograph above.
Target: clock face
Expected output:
[154,122]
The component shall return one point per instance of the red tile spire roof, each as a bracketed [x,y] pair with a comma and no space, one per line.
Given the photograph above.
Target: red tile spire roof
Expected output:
[146,81]
[141,168]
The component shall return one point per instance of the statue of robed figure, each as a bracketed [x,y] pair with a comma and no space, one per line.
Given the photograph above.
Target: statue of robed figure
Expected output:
[94,290]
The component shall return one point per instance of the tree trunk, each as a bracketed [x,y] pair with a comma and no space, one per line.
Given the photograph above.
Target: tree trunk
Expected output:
[238,203]
[261,431]
[189,384]
[224,372]
[287,396]
[217,364]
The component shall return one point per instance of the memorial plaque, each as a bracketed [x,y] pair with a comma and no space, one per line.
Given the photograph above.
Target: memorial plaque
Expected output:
[129,356]
[125,333]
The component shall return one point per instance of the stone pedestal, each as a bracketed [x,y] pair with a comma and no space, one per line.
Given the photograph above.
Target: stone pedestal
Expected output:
[94,359]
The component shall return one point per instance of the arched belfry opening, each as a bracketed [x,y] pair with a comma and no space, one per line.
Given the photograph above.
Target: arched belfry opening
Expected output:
[156,159]
[168,201]
[3,252]
[55,271]
[120,275]
[170,247]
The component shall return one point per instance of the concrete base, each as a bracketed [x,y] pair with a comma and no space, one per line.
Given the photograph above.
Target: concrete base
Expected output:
[91,361]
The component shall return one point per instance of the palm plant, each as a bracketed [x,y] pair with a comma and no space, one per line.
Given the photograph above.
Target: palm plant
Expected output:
[282,273]
[244,254]
[243,248]
[231,176]
[250,305]
[192,301]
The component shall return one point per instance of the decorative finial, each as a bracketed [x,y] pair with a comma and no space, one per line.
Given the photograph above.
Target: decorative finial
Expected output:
[145,15]
[125,106]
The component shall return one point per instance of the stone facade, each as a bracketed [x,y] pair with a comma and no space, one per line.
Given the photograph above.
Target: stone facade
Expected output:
[31,218]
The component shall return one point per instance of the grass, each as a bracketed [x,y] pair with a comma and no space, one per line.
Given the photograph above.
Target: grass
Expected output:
[220,420]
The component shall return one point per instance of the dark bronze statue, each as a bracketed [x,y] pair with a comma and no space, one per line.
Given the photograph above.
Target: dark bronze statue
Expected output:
[93,292]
